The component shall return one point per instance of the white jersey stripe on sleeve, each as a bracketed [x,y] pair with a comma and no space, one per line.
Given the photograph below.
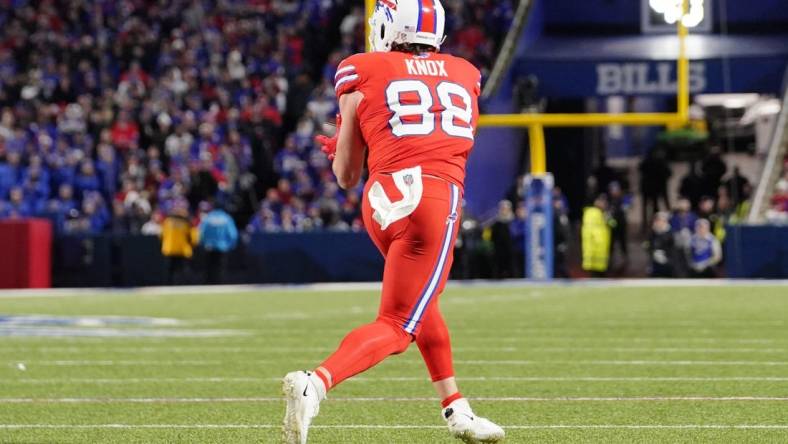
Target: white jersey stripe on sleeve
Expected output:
[346,79]
[344,70]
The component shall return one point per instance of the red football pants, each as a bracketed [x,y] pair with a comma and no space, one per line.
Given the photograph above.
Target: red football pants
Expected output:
[419,252]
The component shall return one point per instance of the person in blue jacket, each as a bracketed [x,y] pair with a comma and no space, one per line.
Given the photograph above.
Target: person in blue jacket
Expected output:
[704,251]
[218,236]
[10,172]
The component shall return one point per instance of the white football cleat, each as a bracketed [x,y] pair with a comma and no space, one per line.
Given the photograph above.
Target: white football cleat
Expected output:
[466,426]
[303,404]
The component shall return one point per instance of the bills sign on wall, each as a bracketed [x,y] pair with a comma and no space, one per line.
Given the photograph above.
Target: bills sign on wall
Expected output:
[539,227]
[645,78]
[580,78]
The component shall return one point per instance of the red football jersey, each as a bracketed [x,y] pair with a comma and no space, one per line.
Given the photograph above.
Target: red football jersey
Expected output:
[418,110]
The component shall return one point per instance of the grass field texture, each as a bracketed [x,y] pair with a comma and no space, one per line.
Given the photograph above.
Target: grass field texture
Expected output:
[552,364]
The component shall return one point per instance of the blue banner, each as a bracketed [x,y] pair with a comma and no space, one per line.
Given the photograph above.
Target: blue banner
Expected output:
[588,78]
[539,227]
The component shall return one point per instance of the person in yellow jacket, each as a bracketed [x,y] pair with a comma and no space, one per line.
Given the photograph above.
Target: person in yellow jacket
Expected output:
[178,238]
[596,231]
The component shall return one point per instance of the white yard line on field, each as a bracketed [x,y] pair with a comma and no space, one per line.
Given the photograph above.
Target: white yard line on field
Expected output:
[622,362]
[220,379]
[100,381]
[111,363]
[397,426]
[197,362]
[393,399]
[536,339]
[164,348]
[461,337]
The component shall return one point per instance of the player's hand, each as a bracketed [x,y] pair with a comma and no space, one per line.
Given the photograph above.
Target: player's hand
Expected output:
[328,145]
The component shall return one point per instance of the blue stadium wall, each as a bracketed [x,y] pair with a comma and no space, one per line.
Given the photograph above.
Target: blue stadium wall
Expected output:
[134,261]
[757,252]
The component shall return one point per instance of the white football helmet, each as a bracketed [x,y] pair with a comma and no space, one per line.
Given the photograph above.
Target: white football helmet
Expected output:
[407,21]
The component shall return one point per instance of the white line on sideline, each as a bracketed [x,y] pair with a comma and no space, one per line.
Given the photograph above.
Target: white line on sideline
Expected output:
[199,362]
[375,286]
[166,348]
[396,426]
[395,399]
[223,379]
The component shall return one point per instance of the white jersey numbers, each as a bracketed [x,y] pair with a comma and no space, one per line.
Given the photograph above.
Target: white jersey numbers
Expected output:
[394,94]
[453,113]
[416,117]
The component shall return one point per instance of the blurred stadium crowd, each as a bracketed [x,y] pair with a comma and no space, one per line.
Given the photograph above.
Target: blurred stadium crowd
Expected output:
[117,114]
[114,114]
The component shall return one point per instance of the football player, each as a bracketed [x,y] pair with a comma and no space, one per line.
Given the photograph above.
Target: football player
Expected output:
[415,110]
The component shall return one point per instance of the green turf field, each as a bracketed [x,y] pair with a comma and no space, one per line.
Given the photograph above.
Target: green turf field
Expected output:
[559,364]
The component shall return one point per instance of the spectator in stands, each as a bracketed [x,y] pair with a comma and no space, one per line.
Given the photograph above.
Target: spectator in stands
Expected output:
[654,175]
[724,215]
[153,226]
[17,207]
[717,215]
[706,209]
[10,172]
[561,234]
[661,248]
[108,168]
[502,241]
[187,97]
[604,175]
[737,186]
[330,216]
[704,251]
[713,168]
[682,222]
[94,216]
[692,185]
[682,225]
[35,185]
[742,210]
[125,133]
[620,204]
[517,233]
[264,221]
[87,180]
[218,236]
[177,241]
[58,209]
[204,180]
[596,237]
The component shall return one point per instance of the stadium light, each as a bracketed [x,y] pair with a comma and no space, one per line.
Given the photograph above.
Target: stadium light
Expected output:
[672,11]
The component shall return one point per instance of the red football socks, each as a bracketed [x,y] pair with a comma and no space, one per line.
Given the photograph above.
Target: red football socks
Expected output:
[447,402]
[325,378]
